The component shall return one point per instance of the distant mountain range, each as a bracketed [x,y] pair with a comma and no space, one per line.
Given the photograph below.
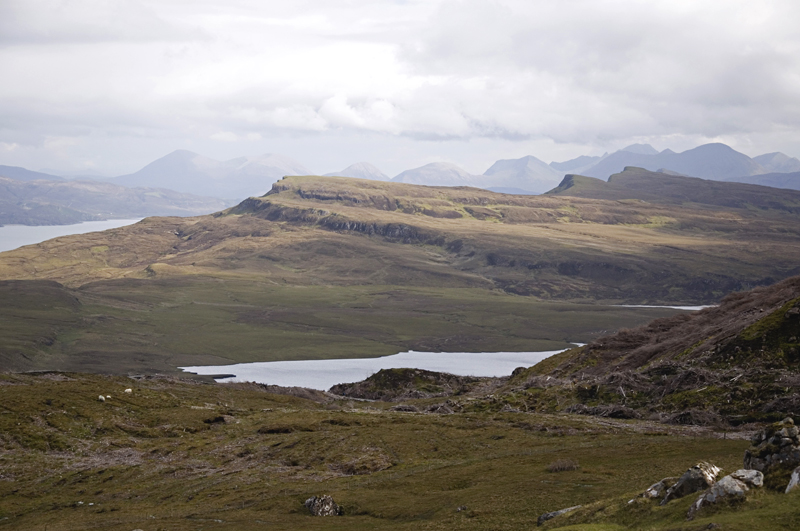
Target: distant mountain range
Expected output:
[238,178]
[60,202]
[188,172]
[360,170]
[21,174]
[709,161]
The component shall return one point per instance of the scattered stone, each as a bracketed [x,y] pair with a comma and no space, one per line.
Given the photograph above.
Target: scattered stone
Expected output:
[775,453]
[658,490]
[323,506]
[549,516]
[441,409]
[611,411]
[730,488]
[697,478]
[405,408]
[794,481]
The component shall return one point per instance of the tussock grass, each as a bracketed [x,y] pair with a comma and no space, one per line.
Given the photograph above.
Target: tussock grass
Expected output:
[150,460]
[563,465]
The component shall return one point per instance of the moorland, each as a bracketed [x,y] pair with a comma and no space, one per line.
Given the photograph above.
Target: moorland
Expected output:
[335,267]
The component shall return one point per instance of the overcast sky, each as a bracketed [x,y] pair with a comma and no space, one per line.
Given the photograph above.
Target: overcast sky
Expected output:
[112,85]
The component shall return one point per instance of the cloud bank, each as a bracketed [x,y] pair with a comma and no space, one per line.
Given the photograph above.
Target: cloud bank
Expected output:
[112,84]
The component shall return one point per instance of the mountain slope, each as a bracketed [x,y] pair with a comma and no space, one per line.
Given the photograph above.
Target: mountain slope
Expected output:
[709,161]
[63,202]
[578,164]
[361,170]
[778,162]
[790,181]
[338,267]
[737,362]
[527,173]
[21,174]
[320,230]
[189,172]
[437,174]
[656,187]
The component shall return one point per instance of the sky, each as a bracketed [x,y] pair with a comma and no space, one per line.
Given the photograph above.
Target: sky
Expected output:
[109,86]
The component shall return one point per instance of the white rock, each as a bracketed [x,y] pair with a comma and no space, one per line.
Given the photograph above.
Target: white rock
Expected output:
[794,481]
[732,486]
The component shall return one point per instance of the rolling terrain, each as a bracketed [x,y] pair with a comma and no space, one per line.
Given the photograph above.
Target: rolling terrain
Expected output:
[337,267]
[181,455]
[328,267]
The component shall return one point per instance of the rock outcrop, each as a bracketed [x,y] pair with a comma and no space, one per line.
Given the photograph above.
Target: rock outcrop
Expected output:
[794,480]
[699,477]
[322,506]
[658,490]
[775,453]
[730,488]
[549,516]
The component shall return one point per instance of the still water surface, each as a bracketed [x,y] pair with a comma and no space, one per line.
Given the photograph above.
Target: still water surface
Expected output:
[322,374]
[14,236]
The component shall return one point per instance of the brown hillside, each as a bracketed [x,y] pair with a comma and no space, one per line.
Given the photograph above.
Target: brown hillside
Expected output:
[323,231]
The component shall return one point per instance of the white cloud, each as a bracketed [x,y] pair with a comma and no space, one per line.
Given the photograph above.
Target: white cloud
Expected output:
[568,76]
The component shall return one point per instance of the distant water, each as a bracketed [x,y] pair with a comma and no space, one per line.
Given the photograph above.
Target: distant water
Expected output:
[323,374]
[688,308]
[14,236]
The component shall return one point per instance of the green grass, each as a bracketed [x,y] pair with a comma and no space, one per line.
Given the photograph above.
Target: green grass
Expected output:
[130,325]
[158,459]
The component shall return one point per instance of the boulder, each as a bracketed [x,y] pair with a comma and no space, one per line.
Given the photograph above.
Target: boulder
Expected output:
[322,506]
[549,516]
[730,488]
[697,478]
[659,489]
[794,480]
[775,452]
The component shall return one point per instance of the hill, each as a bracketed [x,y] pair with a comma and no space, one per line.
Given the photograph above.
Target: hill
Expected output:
[662,188]
[62,202]
[338,267]
[734,363]
[549,246]
[710,161]
[21,174]
[189,172]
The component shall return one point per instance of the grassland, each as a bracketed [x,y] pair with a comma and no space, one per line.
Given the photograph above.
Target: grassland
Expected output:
[131,326]
[187,456]
[336,267]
